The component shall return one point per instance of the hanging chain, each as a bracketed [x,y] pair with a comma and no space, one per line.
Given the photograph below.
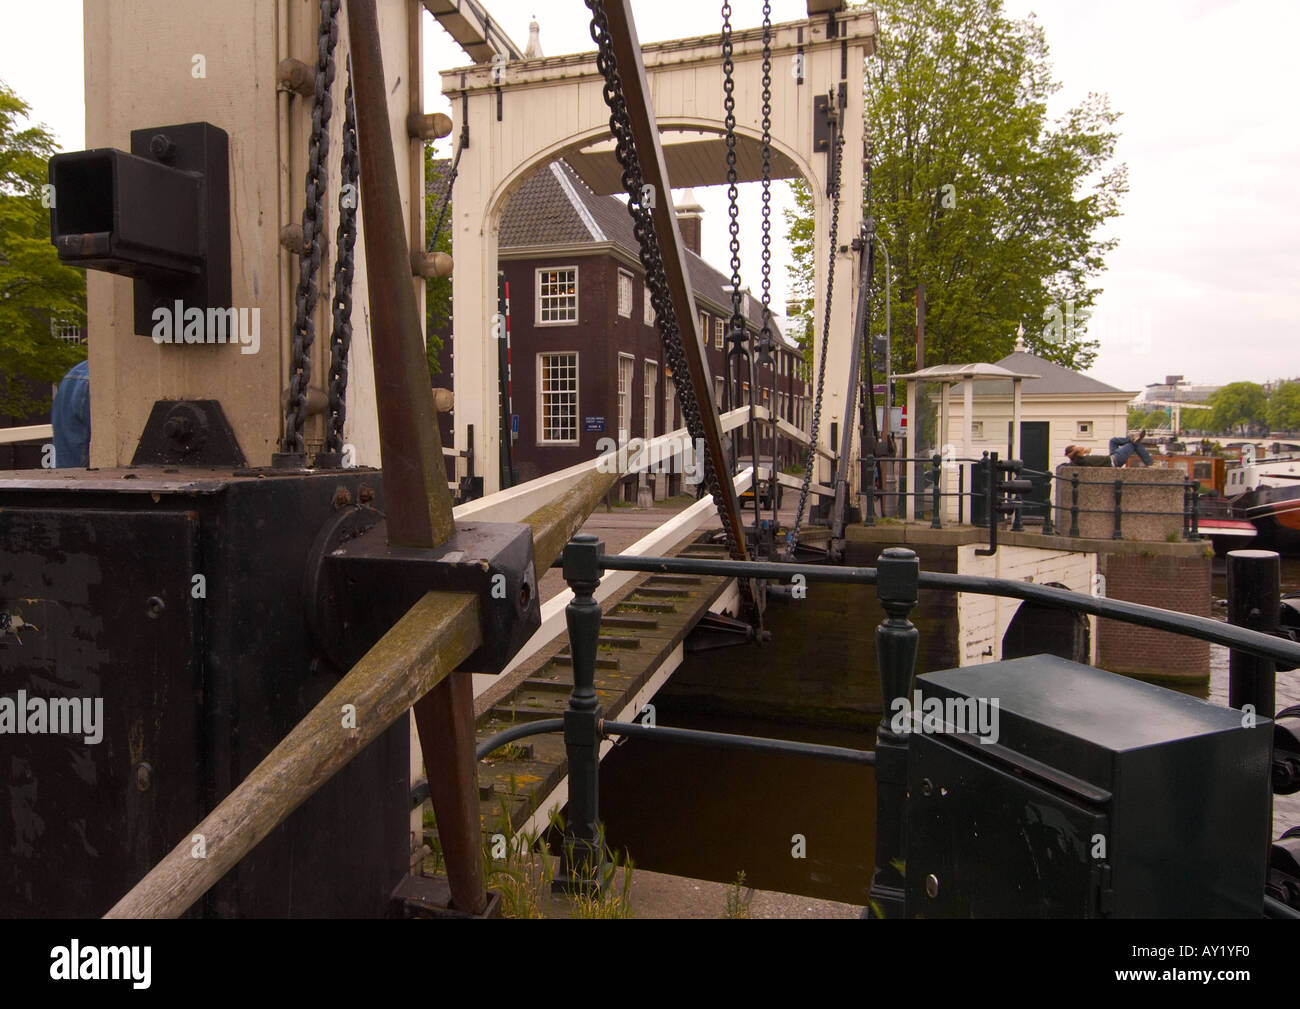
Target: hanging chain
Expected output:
[345,238]
[837,157]
[620,126]
[736,356]
[767,172]
[313,214]
[765,336]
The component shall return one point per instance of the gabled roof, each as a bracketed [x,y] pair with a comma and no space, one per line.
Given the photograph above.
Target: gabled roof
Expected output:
[554,206]
[1054,380]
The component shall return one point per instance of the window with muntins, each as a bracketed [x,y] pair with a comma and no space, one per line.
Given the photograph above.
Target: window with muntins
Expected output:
[557,296]
[557,377]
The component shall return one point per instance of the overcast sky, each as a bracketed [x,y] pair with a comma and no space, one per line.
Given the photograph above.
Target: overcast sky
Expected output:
[1206,279]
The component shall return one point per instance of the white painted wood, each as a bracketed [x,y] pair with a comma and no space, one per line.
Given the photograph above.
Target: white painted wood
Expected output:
[554,106]
[8,435]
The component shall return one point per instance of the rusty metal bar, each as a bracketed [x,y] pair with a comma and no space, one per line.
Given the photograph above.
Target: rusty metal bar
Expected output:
[417,500]
[645,134]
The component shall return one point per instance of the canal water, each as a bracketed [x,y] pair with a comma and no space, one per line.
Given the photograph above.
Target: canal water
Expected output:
[793,824]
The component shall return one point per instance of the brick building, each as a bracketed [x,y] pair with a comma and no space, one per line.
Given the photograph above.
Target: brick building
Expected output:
[586,359]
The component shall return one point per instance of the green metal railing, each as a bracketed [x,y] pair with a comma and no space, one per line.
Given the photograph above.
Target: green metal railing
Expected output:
[1257,652]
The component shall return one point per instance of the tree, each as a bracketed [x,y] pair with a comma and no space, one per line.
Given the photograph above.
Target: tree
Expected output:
[977,194]
[1237,405]
[35,288]
[437,291]
[1284,407]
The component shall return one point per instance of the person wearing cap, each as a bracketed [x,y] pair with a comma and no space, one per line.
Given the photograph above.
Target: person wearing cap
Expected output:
[1121,451]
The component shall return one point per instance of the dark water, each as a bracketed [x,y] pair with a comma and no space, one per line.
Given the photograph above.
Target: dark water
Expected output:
[709,813]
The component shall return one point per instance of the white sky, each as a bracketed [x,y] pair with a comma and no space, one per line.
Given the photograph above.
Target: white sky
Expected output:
[1206,280]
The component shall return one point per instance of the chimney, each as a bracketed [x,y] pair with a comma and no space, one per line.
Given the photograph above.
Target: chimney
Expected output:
[689,219]
[533,51]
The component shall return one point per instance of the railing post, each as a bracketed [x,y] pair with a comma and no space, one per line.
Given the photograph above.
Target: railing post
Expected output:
[869,488]
[1049,529]
[1119,494]
[1074,505]
[583,865]
[1254,601]
[935,522]
[961,494]
[1196,513]
[1187,508]
[897,571]
[1017,524]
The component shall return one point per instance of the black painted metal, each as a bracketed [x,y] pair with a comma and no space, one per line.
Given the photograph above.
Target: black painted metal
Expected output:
[1203,628]
[188,432]
[1255,602]
[1074,505]
[583,865]
[896,644]
[728,740]
[1118,534]
[935,522]
[358,586]
[160,215]
[199,677]
[1026,805]
[520,731]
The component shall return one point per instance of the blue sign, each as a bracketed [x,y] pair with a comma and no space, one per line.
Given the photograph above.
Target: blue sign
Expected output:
[514,424]
[593,423]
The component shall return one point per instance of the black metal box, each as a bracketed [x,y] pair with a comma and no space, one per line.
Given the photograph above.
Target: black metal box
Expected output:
[173,601]
[1101,796]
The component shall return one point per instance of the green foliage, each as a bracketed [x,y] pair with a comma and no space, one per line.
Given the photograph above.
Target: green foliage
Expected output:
[1237,405]
[35,287]
[437,292]
[1284,407]
[739,898]
[977,194]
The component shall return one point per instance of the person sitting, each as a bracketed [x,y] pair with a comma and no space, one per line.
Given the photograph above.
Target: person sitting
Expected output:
[1121,451]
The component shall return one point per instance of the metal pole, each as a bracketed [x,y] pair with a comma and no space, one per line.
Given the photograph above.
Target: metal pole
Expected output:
[1074,505]
[583,866]
[1119,495]
[1049,527]
[897,571]
[1254,601]
[935,523]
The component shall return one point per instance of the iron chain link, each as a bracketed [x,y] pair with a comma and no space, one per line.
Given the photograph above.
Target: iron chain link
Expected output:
[344,267]
[620,126]
[304,327]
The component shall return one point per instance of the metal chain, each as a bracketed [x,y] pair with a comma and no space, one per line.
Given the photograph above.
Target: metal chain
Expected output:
[735,339]
[345,238]
[837,159]
[620,126]
[765,335]
[304,327]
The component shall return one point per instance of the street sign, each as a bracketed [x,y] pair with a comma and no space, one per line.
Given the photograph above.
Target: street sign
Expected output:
[593,423]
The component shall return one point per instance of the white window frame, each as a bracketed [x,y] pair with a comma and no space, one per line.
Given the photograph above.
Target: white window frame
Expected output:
[704,326]
[542,394]
[648,310]
[650,381]
[670,403]
[1084,428]
[537,296]
[624,284]
[625,396]
[977,430]
[719,333]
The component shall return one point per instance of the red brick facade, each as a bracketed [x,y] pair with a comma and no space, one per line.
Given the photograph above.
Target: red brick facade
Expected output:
[1172,583]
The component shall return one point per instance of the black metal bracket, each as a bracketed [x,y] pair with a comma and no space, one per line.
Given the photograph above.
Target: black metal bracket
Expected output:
[716,630]
[357,586]
[160,215]
[188,432]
